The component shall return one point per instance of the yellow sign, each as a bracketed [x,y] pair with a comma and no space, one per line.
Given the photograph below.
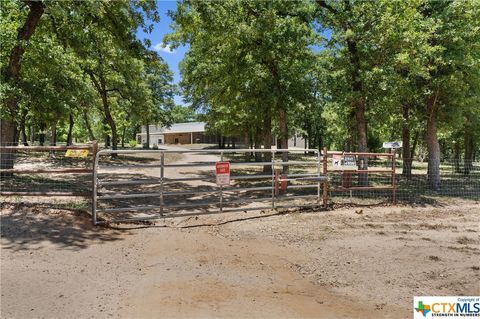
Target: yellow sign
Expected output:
[76,153]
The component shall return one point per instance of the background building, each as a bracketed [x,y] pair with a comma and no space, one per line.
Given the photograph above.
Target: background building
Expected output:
[178,133]
[195,133]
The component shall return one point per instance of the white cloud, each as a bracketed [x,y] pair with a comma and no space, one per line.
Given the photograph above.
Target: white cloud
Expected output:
[167,49]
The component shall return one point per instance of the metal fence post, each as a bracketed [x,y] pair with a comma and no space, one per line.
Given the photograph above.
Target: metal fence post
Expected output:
[325,172]
[318,173]
[394,182]
[94,181]
[273,179]
[221,186]
[162,163]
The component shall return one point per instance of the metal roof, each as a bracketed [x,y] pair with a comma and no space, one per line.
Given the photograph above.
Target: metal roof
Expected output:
[177,128]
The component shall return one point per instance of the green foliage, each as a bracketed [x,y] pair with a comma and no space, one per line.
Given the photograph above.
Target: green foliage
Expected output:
[84,59]
[253,67]
[181,114]
[248,60]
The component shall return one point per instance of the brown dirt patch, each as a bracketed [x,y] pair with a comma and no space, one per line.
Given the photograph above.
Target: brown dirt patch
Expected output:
[335,264]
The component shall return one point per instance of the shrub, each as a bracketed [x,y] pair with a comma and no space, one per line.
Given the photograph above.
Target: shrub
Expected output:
[132,143]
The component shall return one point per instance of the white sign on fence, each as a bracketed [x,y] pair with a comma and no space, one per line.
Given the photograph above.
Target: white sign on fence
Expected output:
[336,161]
[392,144]
[344,162]
[222,171]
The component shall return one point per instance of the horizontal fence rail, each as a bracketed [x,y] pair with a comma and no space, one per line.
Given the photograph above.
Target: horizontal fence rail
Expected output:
[139,184]
[47,170]
[359,178]
[172,183]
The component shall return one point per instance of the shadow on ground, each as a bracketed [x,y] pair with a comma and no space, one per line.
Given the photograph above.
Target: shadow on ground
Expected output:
[27,226]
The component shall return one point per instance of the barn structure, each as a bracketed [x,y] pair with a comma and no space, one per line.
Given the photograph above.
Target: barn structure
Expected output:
[178,133]
[195,133]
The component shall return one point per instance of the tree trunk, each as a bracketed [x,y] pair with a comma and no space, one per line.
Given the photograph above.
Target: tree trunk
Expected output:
[407,160]
[320,142]
[283,122]
[41,135]
[456,157]
[31,132]
[10,74]
[53,138]
[309,133]
[23,129]
[101,87]
[250,143]
[469,151]
[24,136]
[414,146]
[433,146]
[359,108]
[89,127]
[361,126]
[258,145]
[70,129]
[267,141]
[16,135]
[24,34]
[124,130]
[107,140]
[222,144]
[7,158]
[106,136]
[147,130]
[111,121]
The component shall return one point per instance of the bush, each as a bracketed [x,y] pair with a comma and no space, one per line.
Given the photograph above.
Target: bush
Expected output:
[132,143]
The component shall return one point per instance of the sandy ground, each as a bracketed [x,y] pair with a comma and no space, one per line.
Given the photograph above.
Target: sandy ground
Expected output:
[341,263]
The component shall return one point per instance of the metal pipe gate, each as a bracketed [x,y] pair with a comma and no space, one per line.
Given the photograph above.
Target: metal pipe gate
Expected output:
[196,193]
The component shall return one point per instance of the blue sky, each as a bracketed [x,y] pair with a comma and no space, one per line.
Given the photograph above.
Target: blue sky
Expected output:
[174,57]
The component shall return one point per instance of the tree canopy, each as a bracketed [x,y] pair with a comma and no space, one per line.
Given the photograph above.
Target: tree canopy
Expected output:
[343,74]
[80,62]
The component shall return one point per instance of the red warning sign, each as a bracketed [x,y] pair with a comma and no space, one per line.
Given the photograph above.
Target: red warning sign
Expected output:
[222,170]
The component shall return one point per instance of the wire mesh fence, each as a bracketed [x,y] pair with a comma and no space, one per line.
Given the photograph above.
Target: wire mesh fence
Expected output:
[39,171]
[458,179]
[46,170]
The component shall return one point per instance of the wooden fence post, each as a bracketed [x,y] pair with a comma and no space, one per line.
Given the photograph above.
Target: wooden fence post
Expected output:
[394,180]
[325,172]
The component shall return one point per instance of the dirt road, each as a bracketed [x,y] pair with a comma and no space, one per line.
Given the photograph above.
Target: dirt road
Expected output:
[335,264]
